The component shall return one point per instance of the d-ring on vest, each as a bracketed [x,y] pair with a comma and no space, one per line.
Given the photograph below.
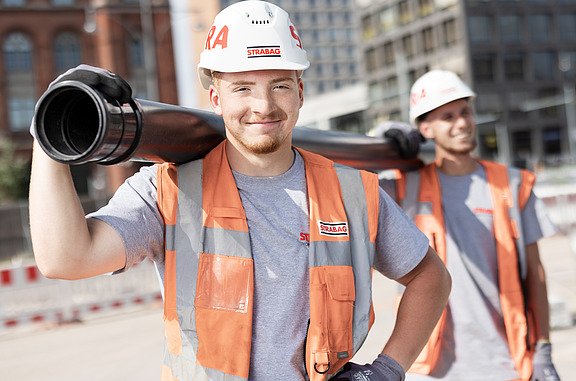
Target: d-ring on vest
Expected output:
[510,189]
[208,269]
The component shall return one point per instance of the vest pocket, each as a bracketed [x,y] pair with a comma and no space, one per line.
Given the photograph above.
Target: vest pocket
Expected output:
[340,307]
[224,283]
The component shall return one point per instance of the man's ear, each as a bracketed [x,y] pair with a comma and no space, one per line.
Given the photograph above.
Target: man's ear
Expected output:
[215,100]
[425,129]
[301,91]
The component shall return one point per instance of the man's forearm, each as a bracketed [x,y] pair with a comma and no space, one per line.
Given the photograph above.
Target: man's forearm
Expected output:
[57,224]
[537,293]
[424,299]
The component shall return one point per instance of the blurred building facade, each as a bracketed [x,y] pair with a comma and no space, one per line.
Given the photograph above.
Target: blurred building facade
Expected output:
[519,57]
[41,39]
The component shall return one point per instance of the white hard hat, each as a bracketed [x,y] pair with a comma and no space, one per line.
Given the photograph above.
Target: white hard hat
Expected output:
[434,89]
[251,35]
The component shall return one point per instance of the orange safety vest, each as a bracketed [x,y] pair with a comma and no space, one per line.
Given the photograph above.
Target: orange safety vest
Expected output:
[208,268]
[428,216]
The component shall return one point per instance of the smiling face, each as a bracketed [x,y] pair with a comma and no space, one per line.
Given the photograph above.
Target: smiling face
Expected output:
[452,127]
[259,108]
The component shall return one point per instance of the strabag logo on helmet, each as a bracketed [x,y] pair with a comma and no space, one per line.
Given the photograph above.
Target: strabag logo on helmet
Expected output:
[263,51]
[333,228]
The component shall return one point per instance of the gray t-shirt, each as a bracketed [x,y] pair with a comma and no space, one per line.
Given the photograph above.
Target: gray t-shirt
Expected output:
[277,214]
[474,345]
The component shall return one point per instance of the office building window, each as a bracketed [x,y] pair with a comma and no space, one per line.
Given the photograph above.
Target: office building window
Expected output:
[62,3]
[375,92]
[391,87]
[513,66]
[510,28]
[66,51]
[20,90]
[428,40]
[17,50]
[405,12]
[483,68]
[551,140]
[480,28]
[544,64]
[567,27]
[567,64]
[387,20]
[20,113]
[449,32]
[521,147]
[371,60]
[408,46]
[489,103]
[13,3]
[425,7]
[539,27]
[369,30]
[389,54]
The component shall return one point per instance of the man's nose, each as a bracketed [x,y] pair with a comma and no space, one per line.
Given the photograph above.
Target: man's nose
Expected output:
[263,103]
[462,122]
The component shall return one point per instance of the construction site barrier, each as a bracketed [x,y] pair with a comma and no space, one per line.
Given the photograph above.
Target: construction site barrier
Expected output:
[27,297]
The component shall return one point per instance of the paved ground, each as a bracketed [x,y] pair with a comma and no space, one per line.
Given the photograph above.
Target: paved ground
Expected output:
[127,347]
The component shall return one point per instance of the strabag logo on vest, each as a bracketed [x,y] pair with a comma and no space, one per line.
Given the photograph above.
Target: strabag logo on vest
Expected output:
[264,51]
[333,228]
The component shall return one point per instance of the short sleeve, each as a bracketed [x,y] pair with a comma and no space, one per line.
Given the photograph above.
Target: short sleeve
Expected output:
[133,213]
[400,245]
[535,221]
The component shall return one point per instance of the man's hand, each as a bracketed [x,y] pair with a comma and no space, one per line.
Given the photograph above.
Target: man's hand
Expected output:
[108,83]
[384,368]
[114,87]
[405,136]
[544,369]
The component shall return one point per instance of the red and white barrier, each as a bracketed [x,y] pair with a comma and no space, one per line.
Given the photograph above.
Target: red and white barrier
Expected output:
[27,297]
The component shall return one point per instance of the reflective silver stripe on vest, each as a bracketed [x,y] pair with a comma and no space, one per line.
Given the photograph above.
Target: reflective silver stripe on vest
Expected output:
[410,204]
[188,237]
[362,250]
[218,241]
[515,179]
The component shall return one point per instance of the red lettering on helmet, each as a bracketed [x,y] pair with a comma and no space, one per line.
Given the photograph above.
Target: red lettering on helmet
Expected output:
[221,39]
[209,37]
[415,98]
[295,36]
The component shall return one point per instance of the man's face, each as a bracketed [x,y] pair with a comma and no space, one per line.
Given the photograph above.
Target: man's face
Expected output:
[259,108]
[452,127]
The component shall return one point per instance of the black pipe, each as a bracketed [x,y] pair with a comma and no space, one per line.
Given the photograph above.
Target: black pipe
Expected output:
[76,124]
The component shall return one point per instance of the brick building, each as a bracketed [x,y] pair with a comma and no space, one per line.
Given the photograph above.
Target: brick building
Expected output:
[43,38]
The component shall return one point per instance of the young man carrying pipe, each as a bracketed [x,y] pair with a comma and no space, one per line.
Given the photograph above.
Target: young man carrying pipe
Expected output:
[265,251]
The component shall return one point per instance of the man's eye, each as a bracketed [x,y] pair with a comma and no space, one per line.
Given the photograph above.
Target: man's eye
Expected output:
[281,86]
[241,89]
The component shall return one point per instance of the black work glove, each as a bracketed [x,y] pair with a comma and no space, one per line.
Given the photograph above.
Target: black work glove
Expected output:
[406,137]
[111,85]
[544,369]
[114,87]
[384,368]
